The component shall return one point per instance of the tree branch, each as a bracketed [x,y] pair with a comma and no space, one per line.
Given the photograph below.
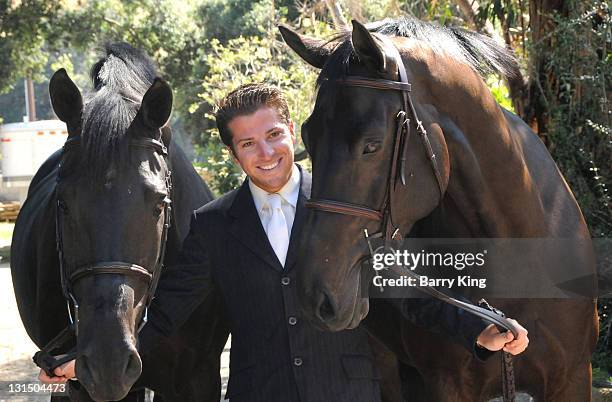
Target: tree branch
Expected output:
[336,14]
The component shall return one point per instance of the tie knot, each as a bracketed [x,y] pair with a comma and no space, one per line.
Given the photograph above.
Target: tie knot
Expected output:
[274,200]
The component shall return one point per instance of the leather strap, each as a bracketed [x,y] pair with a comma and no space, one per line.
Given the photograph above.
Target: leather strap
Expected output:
[345,209]
[118,267]
[366,82]
[46,361]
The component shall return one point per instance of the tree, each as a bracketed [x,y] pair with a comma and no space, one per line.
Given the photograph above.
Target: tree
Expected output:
[23,28]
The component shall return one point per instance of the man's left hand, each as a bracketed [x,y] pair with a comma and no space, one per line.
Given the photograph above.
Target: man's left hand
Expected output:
[62,373]
[490,338]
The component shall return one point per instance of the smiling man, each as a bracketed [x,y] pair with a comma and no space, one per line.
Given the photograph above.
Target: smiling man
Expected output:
[244,245]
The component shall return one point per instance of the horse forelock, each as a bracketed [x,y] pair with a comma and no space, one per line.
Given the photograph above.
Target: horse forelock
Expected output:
[479,52]
[120,80]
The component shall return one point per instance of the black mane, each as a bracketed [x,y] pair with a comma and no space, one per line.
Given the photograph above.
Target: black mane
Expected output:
[478,51]
[120,79]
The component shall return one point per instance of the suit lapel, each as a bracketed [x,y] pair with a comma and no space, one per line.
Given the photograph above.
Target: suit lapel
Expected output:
[298,222]
[247,228]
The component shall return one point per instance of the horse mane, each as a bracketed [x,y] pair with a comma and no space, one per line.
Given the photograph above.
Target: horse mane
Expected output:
[120,80]
[478,51]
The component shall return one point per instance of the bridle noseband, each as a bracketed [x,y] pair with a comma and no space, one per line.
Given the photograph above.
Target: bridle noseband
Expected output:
[400,146]
[69,278]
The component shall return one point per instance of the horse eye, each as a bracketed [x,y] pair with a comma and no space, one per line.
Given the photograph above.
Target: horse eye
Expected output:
[371,147]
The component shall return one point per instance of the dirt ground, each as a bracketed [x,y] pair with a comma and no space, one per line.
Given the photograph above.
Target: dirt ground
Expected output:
[16,349]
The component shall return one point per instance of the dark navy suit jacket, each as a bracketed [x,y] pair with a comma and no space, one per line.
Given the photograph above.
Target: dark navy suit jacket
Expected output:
[275,354]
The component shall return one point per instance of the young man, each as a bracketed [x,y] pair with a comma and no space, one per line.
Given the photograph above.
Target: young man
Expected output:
[244,245]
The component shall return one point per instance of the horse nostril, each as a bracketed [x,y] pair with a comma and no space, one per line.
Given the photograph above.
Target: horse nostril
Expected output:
[133,367]
[326,310]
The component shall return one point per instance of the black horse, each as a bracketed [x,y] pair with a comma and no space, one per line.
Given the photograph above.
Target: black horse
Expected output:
[469,169]
[104,201]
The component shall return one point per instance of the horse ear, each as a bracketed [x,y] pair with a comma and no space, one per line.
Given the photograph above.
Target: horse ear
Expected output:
[156,104]
[65,98]
[313,51]
[369,52]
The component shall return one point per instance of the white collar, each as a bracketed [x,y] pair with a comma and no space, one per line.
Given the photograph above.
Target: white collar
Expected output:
[289,192]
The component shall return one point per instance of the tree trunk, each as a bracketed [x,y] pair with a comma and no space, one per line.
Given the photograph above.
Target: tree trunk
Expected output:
[542,80]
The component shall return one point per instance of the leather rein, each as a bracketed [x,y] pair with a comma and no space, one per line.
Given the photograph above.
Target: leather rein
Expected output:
[69,277]
[389,231]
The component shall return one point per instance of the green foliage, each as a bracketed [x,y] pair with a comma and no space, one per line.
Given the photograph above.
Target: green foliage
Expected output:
[23,28]
[579,135]
[216,161]
[602,359]
[601,376]
[224,20]
[500,93]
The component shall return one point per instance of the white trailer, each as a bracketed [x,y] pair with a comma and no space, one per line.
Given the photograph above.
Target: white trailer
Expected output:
[24,147]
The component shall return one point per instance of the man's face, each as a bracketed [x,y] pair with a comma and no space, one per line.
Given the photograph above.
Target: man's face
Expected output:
[263,146]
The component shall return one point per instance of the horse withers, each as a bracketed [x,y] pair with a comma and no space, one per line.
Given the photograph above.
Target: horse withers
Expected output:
[462,167]
[101,218]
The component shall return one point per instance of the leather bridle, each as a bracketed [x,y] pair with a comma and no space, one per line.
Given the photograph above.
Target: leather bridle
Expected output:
[69,277]
[389,231]
[384,214]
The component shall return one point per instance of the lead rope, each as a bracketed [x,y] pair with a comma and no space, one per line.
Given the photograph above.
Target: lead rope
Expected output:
[507,368]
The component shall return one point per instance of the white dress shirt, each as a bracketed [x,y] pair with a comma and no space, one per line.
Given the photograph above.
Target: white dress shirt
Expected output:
[289,195]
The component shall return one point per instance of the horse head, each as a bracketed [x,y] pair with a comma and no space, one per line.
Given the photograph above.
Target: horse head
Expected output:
[353,136]
[113,211]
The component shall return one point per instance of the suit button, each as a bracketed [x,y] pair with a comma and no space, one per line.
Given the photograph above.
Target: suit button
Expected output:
[285,280]
[297,361]
[292,320]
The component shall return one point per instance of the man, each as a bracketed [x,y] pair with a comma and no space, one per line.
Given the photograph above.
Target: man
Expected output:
[244,245]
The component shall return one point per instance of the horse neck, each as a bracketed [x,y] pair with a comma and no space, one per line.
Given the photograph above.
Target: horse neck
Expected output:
[490,191]
[189,192]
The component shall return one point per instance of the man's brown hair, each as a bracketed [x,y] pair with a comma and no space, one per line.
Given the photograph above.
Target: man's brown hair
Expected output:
[245,100]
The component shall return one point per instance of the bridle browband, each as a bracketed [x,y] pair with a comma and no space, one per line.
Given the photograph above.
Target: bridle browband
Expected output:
[43,358]
[389,231]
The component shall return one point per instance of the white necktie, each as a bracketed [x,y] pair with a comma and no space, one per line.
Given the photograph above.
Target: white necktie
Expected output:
[277,228]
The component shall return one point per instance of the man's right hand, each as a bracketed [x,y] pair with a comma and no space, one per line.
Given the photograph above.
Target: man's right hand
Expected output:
[62,373]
